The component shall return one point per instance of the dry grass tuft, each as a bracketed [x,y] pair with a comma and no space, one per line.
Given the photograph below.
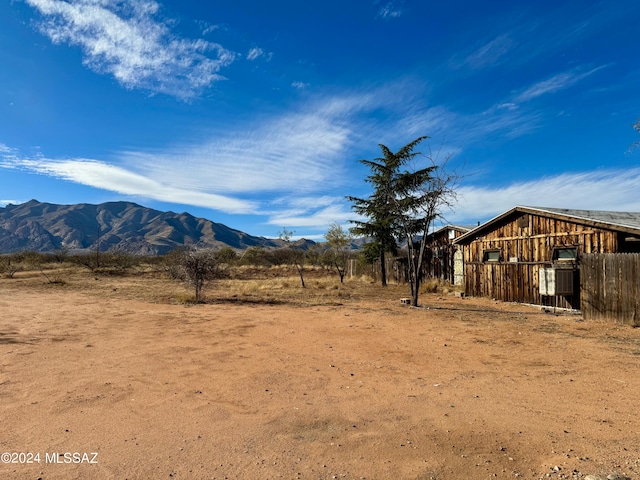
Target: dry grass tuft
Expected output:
[285,290]
[430,286]
[185,297]
[436,285]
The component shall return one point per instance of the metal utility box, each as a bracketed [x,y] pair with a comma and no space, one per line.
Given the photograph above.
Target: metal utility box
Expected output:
[556,281]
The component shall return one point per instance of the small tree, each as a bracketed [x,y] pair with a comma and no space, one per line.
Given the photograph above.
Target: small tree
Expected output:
[326,259]
[340,242]
[296,255]
[255,256]
[200,266]
[369,254]
[277,256]
[61,253]
[97,264]
[227,255]
[314,255]
[8,264]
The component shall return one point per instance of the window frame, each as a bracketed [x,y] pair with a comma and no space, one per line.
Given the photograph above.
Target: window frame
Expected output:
[556,256]
[488,254]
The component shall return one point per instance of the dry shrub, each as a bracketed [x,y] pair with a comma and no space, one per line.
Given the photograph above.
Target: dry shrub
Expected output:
[185,297]
[329,283]
[57,280]
[430,286]
[436,285]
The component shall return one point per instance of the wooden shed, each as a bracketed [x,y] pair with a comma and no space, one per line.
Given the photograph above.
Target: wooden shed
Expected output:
[532,254]
[443,257]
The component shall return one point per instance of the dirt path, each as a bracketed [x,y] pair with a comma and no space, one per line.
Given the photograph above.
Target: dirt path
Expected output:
[471,389]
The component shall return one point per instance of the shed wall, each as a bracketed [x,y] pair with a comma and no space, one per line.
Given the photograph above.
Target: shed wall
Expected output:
[526,243]
[440,256]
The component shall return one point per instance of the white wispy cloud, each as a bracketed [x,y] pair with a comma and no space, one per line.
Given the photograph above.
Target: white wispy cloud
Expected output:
[294,153]
[113,178]
[490,53]
[308,211]
[508,117]
[459,129]
[434,121]
[507,106]
[615,190]
[4,203]
[321,218]
[299,85]
[516,37]
[6,150]
[208,28]
[255,53]
[127,39]
[390,10]
[554,84]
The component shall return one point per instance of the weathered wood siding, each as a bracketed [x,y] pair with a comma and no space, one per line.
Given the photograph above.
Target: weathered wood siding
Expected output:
[610,287]
[439,259]
[528,241]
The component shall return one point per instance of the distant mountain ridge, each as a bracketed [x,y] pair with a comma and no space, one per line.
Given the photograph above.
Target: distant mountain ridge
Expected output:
[120,226]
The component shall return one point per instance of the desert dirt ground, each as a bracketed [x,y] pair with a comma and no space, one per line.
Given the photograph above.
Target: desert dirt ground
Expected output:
[348,387]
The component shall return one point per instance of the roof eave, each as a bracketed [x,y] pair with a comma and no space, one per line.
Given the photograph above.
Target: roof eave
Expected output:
[473,234]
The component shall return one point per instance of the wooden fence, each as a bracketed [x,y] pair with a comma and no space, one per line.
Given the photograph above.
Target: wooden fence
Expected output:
[610,287]
[515,282]
[396,270]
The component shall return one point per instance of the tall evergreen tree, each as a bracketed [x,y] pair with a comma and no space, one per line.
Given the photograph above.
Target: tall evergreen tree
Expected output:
[378,209]
[404,203]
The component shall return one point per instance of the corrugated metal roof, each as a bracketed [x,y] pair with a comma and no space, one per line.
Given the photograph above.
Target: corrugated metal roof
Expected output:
[622,219]
[628,222]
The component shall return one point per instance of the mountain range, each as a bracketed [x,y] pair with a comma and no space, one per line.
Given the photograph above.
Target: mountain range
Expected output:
[119,226]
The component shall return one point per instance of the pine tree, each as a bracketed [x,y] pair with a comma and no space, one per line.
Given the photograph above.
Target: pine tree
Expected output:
[404,203]
[378,209]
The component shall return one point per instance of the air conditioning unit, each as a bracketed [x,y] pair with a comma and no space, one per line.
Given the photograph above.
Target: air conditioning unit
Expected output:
[556,281]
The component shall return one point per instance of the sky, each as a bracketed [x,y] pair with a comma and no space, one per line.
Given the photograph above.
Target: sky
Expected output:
[255,114]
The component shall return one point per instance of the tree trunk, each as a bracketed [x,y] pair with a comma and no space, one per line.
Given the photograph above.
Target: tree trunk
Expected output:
[416,290]
[301,275]
[383,269]
[411,264]
[417,264]
[341,271]
[413,279]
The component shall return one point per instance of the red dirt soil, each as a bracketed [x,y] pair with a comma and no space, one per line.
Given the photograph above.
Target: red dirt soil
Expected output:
[466,389]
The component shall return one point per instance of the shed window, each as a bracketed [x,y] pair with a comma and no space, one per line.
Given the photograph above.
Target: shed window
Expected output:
[491,256]
[565,254]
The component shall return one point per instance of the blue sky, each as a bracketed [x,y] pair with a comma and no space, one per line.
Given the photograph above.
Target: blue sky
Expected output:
[255,114]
